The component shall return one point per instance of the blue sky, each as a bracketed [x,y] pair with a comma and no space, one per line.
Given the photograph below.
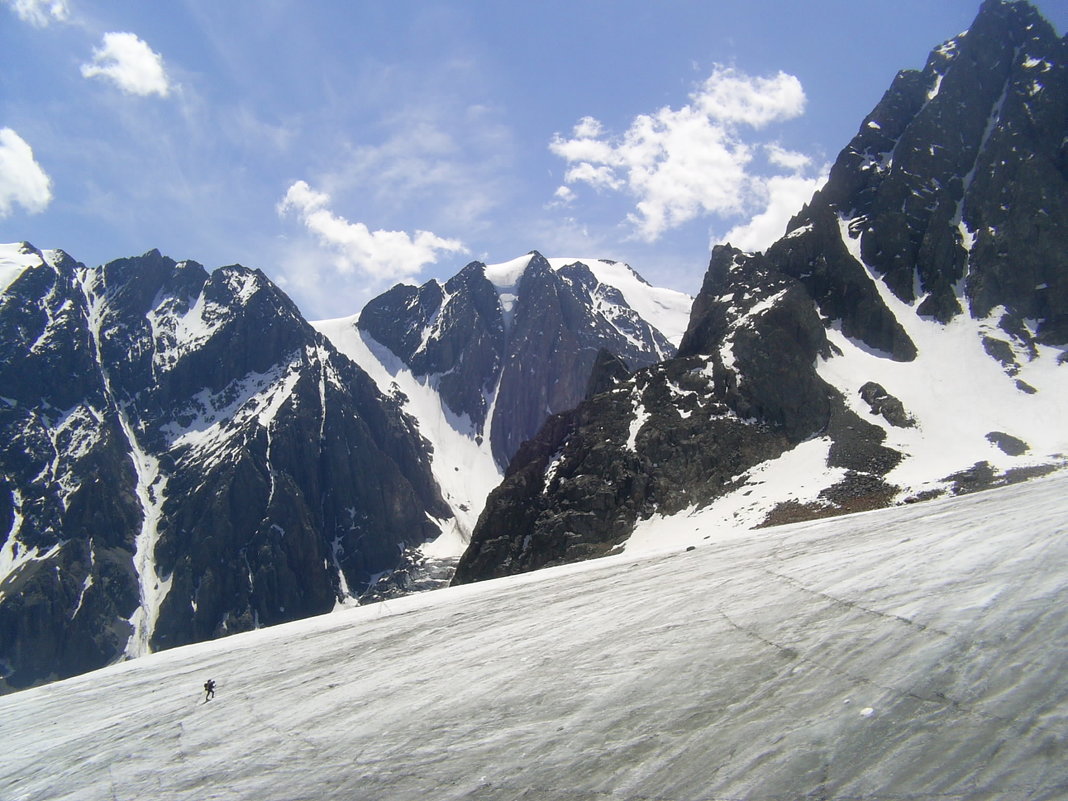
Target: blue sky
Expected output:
[344,146]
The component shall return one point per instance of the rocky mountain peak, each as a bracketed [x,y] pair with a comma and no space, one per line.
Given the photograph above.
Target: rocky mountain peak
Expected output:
[904,339]
[959,164]
[506,345]
[184,457]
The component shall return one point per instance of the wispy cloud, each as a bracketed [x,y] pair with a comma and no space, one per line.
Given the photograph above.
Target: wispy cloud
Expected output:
[22,181]
[438,160]
[679,164]
[128,61]
[40,13]
[380,255]
[788,159]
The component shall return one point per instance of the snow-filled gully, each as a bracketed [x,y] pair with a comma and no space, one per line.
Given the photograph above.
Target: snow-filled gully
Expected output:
[150,491]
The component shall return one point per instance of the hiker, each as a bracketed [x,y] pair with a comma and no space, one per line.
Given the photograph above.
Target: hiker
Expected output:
[209,690]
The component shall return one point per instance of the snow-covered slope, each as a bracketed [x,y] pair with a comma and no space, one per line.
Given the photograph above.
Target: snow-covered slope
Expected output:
[914,652]
[959,390]
[969,417]
[461,460]
[14,260]
[667,310]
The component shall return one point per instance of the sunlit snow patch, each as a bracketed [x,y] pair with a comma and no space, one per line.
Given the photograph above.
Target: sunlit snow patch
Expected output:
[14,260]
[798,476]
[940,388]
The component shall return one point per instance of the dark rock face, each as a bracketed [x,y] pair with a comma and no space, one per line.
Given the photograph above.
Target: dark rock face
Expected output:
[961,174]
[883,403]
[815,254]
[1014,446]
[574,493]
[532,360]
[767,322]
[951,199]
[67,508]
[184,457]
[416,572]
[455,332]
[608,370]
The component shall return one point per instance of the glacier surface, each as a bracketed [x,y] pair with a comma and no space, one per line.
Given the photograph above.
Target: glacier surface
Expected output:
[912,652]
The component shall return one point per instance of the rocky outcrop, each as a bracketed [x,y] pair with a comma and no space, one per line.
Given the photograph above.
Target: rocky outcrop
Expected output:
[608,370]
[184,457]
[883,403]
[454,332]
[960,175]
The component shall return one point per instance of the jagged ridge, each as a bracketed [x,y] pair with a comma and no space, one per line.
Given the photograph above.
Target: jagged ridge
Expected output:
[184,457]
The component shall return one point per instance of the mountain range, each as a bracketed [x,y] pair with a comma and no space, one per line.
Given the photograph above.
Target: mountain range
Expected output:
[184,456]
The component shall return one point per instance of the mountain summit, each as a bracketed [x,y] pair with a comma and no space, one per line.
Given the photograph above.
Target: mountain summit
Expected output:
[904,339]
[484,359]
[508,344]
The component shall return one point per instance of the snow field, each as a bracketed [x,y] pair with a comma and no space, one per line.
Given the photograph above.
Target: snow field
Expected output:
[799,475]
[912,652]
[667,310]
[956,392]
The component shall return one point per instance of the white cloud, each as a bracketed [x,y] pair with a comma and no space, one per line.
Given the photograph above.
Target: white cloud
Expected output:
[440,161]
[22,180]
[563,196]
[785,194]
[682,163]
[381,255]
[735,98]
[40,13]
[128,61]
[788,159]
[602,177]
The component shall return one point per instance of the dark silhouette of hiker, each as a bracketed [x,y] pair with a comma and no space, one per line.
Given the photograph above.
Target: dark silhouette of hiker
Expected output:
[209,690]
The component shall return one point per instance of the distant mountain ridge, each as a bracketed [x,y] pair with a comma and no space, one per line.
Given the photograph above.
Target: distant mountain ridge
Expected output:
[508,344]
[905,338]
